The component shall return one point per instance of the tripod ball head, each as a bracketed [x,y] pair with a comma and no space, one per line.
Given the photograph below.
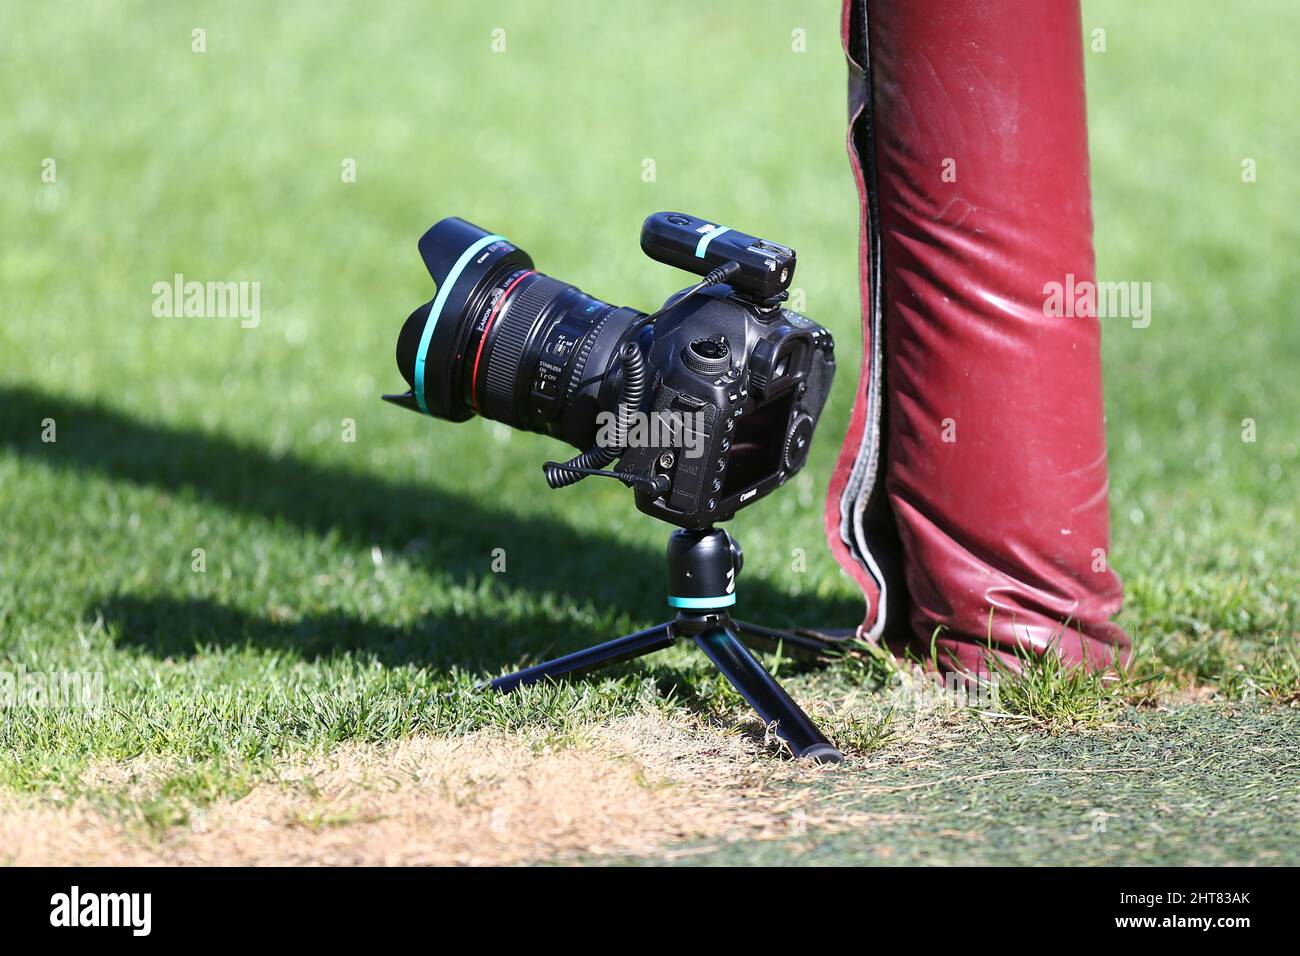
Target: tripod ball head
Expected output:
[702,569]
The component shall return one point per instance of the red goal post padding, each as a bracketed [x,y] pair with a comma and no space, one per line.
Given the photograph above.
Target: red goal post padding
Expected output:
[969,501]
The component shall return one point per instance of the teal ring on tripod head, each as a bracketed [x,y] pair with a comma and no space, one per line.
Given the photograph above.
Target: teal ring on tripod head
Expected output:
[701,603]
[435,311]
[708,237]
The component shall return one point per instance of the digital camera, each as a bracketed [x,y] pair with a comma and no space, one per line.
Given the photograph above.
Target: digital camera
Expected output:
[707,404]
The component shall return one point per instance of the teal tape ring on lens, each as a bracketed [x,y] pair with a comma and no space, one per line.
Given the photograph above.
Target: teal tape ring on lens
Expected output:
[435,311]
[701,603]
[707,238]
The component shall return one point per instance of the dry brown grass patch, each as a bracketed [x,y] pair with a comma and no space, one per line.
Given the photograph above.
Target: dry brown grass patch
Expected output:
[631,787]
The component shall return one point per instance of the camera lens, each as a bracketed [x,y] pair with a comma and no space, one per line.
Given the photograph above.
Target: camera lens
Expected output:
[502,340]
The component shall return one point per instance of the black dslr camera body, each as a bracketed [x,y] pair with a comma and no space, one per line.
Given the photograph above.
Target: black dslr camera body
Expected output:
[707,405]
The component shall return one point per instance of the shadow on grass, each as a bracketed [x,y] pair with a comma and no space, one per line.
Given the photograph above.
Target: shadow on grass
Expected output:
[179,627]
[420,524]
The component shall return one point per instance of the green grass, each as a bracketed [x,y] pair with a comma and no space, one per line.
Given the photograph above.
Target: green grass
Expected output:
[1156,789]
[348,591]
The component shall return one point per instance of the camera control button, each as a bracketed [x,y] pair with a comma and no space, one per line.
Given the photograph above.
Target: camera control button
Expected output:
[797,443]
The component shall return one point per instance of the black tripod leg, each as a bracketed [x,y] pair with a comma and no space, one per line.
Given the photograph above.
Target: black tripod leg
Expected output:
[611,652]
[771,637]
[765,695]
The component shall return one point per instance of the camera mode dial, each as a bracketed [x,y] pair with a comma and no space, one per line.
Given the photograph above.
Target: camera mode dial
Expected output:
[707,356]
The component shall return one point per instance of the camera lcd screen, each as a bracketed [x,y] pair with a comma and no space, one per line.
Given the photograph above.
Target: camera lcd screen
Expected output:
[757,445]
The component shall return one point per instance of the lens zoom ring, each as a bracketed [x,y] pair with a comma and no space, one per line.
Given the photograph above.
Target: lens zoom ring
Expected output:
[511,337]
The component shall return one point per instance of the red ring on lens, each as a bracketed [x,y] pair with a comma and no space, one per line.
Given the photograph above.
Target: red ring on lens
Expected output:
[487,327]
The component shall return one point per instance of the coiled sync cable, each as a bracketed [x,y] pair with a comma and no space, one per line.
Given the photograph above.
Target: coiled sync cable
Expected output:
[593,460]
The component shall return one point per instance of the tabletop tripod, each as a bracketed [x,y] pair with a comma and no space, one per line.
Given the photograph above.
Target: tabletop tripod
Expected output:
[702,570]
